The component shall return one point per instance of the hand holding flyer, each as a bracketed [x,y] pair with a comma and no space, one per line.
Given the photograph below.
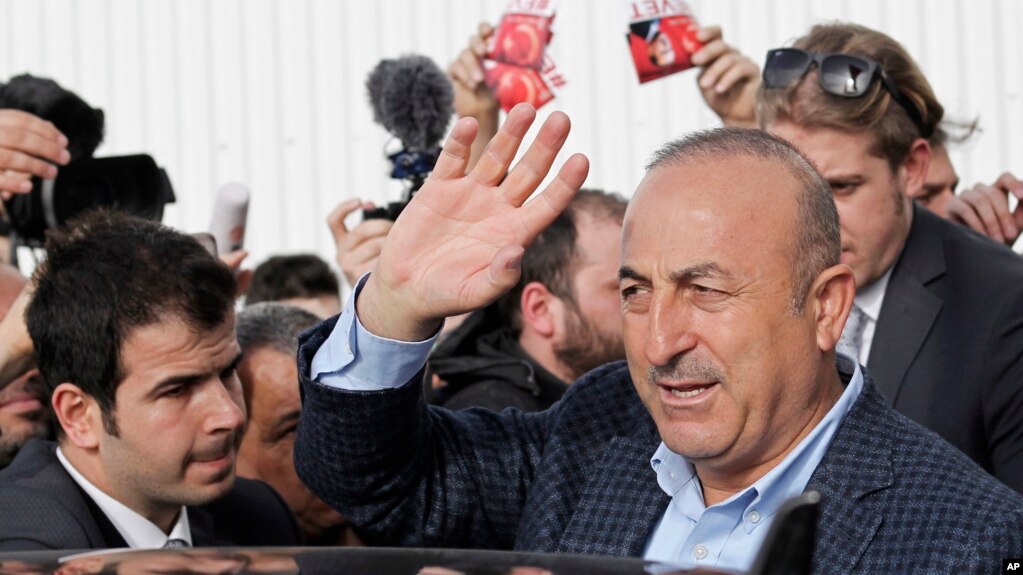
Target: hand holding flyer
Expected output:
[515,84]
[522,37]
[661,37]
[518,67]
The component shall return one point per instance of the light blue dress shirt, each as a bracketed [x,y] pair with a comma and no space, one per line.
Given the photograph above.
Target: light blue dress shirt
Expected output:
[352,358]
[727,535]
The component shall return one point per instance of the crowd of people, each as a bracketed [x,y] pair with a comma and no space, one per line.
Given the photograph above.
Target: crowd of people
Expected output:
[800,300]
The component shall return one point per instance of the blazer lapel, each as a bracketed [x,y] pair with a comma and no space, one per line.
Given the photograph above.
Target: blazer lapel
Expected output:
[909,307]
[202,524]
[55,480]
[852,480]
[620,506]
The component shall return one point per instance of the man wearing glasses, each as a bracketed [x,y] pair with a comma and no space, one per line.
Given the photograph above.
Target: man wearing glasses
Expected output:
[938,314]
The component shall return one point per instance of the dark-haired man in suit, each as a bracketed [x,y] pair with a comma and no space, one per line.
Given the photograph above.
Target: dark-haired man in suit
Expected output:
[133,327]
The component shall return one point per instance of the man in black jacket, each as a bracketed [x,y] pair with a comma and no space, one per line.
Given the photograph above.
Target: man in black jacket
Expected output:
[938,311]
[133,327]
[560,320]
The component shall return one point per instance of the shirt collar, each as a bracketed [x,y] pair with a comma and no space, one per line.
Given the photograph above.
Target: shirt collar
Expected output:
[870,298]
[677,476]
[137,531]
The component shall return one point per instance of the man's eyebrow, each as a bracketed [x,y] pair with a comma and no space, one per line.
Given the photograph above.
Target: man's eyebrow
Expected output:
[189,378]
[282,424]
[627,273]
[702,270]
[234,363]
[697,271]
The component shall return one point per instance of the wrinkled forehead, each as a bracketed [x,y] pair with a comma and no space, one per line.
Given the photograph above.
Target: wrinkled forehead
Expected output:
[712,207]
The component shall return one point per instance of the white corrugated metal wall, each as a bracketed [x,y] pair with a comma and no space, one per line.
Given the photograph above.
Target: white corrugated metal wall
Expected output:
[270,92]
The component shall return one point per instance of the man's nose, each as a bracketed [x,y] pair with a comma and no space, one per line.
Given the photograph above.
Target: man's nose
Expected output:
[224,414]
[669,332]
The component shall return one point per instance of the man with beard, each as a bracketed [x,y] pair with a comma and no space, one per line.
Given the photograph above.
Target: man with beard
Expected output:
[23,411]
[559,322]
[133,327]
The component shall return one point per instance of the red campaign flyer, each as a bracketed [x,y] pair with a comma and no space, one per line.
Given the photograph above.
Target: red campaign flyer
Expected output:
[523,34]
[662,37]
[514,84]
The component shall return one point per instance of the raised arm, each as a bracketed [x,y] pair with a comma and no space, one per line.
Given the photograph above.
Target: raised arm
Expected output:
[458,245]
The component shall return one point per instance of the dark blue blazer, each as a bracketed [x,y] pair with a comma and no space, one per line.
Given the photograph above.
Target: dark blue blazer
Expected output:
[576,478]
[41,507]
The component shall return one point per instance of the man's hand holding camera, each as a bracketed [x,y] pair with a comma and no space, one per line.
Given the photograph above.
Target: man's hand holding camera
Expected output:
[29,146]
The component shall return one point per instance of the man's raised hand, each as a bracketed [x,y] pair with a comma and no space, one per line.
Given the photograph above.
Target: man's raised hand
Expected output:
[459,243]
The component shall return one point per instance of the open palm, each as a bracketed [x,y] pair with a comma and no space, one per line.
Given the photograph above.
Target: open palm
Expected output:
[458,244]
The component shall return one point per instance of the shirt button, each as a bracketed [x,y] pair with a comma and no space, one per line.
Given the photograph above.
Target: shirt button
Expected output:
[700,552]
[673,475]
[754,517]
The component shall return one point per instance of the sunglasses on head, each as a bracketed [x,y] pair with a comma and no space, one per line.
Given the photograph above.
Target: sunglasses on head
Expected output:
[840,74]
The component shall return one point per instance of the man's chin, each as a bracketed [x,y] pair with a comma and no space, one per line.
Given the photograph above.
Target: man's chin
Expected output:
[208,492]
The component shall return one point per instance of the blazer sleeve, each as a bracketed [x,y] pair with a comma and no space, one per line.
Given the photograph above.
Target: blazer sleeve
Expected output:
[412,475]
[1003,401]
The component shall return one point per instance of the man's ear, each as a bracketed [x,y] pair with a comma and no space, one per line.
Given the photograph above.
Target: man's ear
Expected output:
[538,308]
[832,297]
[913,170]
[78,415]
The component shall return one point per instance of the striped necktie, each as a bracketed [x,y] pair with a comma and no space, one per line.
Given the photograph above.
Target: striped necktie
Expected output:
[852,334]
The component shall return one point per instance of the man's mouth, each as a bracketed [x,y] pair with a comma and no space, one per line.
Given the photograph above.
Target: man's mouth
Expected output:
[685,392]
[21,400]
[215,453]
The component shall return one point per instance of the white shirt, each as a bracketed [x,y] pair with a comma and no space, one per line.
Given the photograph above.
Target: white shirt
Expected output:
[137,531]
[869,299]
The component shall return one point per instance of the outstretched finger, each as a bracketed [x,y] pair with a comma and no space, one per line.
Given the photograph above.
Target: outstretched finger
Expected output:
[538,159]
[710,52]
[454,156]
[1010,183]
[541,211]
[493,163]
[14,185]
[708,34]
[741,71]
[12,159]
[23,120]
[711,75]
[336,218]
[485,30]
[958,210]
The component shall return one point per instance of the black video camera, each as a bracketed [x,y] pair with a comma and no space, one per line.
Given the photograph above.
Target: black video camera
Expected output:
[132,184]
[414,168]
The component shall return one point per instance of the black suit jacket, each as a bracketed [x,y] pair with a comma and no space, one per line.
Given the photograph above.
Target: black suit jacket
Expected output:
[948,345]
[576,478]
[41,507]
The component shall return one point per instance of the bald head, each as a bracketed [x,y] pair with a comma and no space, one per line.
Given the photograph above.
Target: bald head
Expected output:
[11,284]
